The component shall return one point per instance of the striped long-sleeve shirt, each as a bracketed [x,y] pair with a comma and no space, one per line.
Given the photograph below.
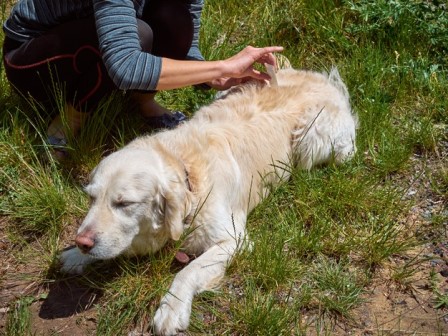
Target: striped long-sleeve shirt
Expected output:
[116,23]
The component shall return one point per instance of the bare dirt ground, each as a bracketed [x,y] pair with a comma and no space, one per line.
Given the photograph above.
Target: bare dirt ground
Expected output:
[391,307]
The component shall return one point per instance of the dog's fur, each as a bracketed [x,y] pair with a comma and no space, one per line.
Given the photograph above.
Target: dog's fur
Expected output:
[205,176]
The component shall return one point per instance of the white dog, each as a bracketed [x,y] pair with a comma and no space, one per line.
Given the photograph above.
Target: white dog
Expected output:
[202,179]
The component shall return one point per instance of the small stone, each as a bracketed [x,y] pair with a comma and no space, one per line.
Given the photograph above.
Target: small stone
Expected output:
[411,192]
[437,262]
[444,272]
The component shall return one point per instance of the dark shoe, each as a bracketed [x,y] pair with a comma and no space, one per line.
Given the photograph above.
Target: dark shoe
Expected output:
[168,121]
[58,147]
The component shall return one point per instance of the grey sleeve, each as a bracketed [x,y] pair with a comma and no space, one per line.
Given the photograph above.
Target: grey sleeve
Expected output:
[129,67]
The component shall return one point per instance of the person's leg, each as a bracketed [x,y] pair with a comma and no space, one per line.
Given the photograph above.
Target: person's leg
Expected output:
[70,119]
[60,60]
[172,27]
[171,36]
[148,107]
[63,64]
[66,59]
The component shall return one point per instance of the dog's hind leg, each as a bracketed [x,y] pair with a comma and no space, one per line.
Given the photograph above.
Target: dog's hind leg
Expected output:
[329,137]
[327,128]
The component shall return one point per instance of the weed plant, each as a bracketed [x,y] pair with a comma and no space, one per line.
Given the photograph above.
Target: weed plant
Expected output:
[318,239]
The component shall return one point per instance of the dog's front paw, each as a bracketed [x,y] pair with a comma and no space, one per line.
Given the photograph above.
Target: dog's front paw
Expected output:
[73,261]
[172,316]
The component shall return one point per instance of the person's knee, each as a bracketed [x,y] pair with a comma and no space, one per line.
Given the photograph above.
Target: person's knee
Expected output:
[146,35]
[171,11]
[169,17]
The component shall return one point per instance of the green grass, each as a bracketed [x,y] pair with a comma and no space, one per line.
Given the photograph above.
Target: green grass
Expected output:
[19,320]
[319,239]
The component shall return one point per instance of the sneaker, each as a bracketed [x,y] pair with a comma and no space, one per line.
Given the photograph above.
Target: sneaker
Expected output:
[58,147]
[168,121]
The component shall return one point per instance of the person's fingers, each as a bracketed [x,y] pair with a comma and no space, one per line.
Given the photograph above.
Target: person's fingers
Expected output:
[272,49]
[271,59]
[265,50]
[262,52]
[241,64]
[267,59]
[267,55]
[258,74]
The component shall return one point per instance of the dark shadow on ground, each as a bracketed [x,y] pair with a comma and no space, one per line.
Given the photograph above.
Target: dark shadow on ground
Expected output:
[68,297]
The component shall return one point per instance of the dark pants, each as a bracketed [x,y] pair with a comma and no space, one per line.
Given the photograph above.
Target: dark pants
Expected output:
[66,63]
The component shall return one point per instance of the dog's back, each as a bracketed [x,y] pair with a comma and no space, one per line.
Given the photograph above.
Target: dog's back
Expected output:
[305,121]
[250,138]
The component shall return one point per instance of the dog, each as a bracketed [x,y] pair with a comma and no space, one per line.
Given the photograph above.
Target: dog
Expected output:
[200,181]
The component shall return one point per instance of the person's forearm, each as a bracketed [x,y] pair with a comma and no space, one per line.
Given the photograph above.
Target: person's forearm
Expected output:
[177,74]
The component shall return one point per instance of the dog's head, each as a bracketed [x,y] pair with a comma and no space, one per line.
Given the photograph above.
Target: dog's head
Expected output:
[139,200]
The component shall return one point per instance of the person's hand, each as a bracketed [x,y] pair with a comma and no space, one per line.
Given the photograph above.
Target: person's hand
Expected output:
[242,64]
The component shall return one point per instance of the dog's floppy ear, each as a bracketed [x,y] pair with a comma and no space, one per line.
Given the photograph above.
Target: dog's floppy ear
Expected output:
[177,207]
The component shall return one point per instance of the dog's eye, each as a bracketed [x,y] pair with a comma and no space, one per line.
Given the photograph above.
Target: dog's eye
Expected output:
[122,204]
